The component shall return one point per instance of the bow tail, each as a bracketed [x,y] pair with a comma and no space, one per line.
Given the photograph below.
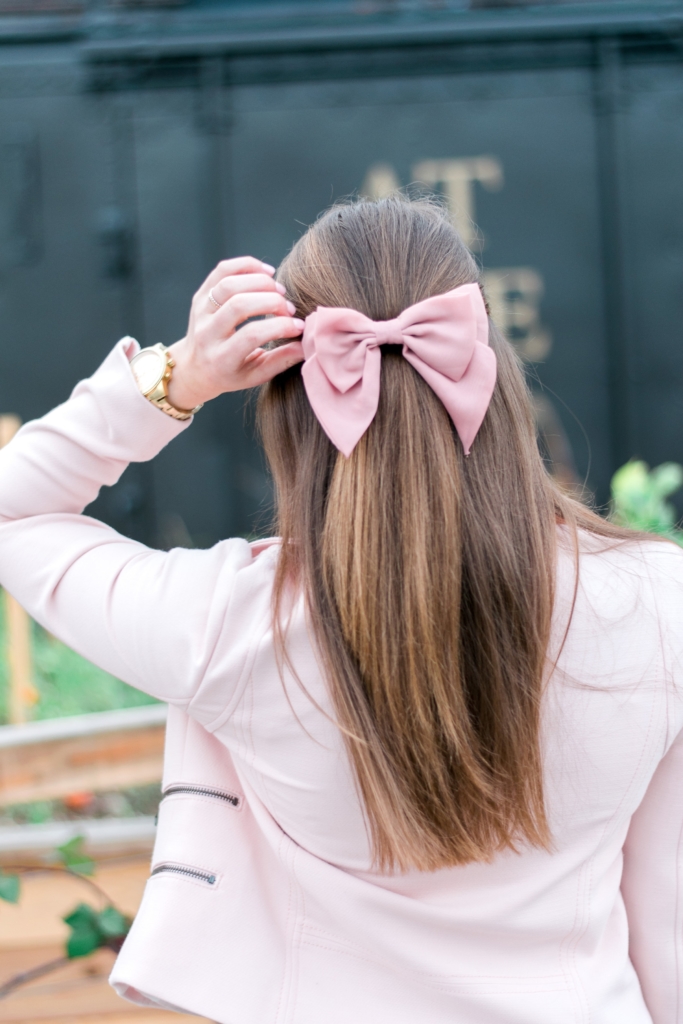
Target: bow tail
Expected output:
[468,398]
[343,415]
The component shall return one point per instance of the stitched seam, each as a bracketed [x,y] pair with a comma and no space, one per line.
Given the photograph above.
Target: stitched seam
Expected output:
[253,645]
[296,939]
[321,934]
[421,978]
[210,656]
[579,930]
[286,966]
[677,926]
[564,950]
[256,637]
[330,941]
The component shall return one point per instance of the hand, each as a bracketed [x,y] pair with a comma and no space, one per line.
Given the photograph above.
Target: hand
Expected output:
[218,355]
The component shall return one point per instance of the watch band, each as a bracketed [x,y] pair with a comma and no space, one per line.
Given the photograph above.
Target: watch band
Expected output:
[158,395]
[170,410]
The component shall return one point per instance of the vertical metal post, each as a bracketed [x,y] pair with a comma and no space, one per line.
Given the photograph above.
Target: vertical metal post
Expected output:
[125,185]
[607,95]
[122,103]
[22,693]
[214,120]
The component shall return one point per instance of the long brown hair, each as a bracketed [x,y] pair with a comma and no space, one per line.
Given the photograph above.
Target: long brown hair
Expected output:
[428,575]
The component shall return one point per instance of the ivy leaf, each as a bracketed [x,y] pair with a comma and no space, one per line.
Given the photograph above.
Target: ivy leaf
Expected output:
[85,936]
[92,929]
[74,857]
[82,942]
[112,924]
[9,887]
[80,916]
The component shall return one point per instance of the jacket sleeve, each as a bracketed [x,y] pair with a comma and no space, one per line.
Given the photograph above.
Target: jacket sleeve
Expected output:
[150,617]
[652,887]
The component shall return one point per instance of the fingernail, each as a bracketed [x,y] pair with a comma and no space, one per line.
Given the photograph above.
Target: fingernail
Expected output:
[291,307]
[280,288]
[299,323]
[268,267]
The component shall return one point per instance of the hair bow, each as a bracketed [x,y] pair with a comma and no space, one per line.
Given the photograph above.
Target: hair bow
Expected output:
[445,338]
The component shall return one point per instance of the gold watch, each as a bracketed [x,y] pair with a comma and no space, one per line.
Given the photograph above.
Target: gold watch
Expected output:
[152,369]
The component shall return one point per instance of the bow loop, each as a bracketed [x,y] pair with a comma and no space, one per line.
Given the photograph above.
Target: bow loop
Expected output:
[444,338]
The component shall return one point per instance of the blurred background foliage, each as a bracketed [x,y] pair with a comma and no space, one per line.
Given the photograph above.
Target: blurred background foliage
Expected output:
[640,498]
[67,684]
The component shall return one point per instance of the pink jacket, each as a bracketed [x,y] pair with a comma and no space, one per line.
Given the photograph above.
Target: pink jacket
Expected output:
[262,906]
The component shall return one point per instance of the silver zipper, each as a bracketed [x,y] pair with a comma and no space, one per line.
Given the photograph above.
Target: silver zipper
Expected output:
[177,869]
[218,794]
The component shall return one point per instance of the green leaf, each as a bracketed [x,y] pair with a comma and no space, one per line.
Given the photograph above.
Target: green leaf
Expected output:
[92,929]
[112,923]
[82,942]
[85,936]
[9,887]
[82,915]
[73,856]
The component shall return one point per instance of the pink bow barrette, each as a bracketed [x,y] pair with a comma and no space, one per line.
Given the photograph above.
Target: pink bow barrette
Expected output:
[445,338]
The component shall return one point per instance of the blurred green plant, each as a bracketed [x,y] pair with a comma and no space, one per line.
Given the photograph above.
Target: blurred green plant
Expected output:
[89,929]
[94,929]
[10,887]
[74,857]
[639,498]
[67,684]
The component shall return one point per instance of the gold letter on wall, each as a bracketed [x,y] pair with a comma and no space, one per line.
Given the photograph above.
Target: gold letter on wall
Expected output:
[514,295]
[457,177]
[380,182]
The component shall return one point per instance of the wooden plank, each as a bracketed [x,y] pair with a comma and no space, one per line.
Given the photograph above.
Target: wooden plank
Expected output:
[130,1015]
[22,692]
[81,765]
[106,751]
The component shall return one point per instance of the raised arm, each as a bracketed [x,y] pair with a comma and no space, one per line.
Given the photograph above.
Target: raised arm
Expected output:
[149,617]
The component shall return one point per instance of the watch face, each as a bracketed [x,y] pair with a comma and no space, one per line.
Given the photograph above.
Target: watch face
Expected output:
[148,368]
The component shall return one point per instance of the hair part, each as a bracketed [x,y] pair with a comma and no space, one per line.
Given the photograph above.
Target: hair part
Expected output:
[428,575]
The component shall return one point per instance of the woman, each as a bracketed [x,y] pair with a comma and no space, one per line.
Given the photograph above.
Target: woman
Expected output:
[423,752]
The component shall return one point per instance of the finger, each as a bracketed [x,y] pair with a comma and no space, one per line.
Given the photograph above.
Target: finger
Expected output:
[254,336]
[236,283]
[238,265]
[275,361]
[244,305]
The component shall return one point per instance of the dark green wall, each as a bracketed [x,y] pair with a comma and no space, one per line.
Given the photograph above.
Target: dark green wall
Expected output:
[128,166]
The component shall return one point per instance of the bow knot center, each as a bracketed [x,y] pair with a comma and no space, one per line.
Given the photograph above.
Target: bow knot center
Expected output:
[388,332]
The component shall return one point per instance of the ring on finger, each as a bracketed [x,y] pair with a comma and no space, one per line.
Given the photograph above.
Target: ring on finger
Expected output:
[215,301]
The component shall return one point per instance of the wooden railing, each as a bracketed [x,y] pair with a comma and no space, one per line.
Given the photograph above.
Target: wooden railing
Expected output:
[87,753]
[44,760]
